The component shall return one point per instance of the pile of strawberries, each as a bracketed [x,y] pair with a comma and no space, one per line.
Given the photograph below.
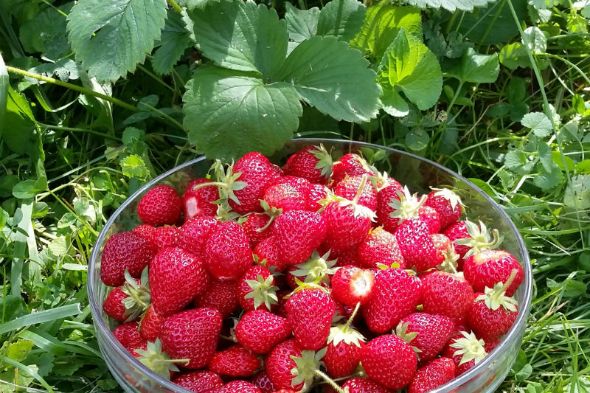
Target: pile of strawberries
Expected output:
[320,275]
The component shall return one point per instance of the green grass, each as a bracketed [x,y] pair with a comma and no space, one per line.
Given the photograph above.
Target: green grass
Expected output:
[94,153]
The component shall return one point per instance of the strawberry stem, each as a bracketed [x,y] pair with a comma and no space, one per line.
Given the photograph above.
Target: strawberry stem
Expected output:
[357,307]
[329,381]
[360,189]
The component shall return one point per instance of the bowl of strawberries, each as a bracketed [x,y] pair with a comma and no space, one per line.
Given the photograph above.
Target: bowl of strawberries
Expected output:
[333,266]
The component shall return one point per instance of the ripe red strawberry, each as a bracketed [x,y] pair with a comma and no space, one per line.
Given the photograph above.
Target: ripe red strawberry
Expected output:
[235,362]
[287,193]
[239,387]
[317,192]
[256,289]
[256,228]
[445,253]
[262,381]
[220,295]
[176,278]
[429,333]
[466,350]
[260,330]
[200,200]
[193,234]
[408,206]
[389,361]
[347,223]
[199,381]
[150,324]
[297,233]
[227,252]
[343,352]
[386,195]
[165,236]
[416,245]
[493,313]
[349,186]
[395,295]
[268,255]
[279,364]
[489,267]
[347,257]
[161,205]
[256,173]
[379,247]
[146,231]
[113,304]
[447,204]
[128,335]
[456,232]
[447,294]
[192,335]
[432,375]
[124,251]
[352,285]
[310,312]
[350,164]
[313,163]
[363,385]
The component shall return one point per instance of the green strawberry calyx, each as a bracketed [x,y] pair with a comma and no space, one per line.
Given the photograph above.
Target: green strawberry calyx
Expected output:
[495,297]
[316,269]
[325,161]
[407,206]
[449,195]
[305,366]
[138,295]
[479,238]
[402,332]
[450,261]
[345,334]
[262,291]
[157,360]
[469,347]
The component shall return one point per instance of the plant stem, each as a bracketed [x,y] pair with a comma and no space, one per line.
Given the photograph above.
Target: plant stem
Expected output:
[329,381]
[175,6]
[80,89]
[352,316]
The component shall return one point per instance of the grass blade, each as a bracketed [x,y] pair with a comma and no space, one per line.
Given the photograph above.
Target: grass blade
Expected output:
[40,317]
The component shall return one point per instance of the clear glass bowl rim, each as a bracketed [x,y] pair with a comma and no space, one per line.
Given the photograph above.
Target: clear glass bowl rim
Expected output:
[524,306]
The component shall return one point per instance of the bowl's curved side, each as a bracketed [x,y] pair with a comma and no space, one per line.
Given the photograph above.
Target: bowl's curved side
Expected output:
[417,172]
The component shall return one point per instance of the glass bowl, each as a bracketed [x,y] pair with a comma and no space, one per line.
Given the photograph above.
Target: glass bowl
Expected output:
[416,172]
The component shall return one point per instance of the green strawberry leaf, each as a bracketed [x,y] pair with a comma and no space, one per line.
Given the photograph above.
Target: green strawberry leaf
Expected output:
[451,5]
[228,113]
[476,68]
[538,122]
[327,74]
[412,68]
[241,36]
[111,38]
[175,40]
[393,103]
[341,19]
[301,24]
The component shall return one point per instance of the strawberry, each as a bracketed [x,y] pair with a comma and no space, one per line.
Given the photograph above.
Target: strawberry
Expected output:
[317,192]
[445,253]
[235,362]
[280,363]
[239,387]
[176,277]
[256,289]
[313,163]
[267,254]
[395,295]
[161,205]
[255,172]
[389,192]
[428,333]
[200,200]
[347,257]
[435,373]
[466,350]
[486,268]
[350,164]
[447,294]
[257,228]
[349,186]
[316,270]
[150,324]
[128,335]
[378,247]
[262,381]
[113,304]
[193,234]
[297,233]
[389,361]
[309,312]
[352,285]
[192,335]
[147,232]
[199,381]
[227,252]
[124,251]
[165,236]
[260,330]
[447,204]
[416,245]
[286,193]
[347,222]
[493,313]
[363,385]
[455,232]
[220,295]
[343,352]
